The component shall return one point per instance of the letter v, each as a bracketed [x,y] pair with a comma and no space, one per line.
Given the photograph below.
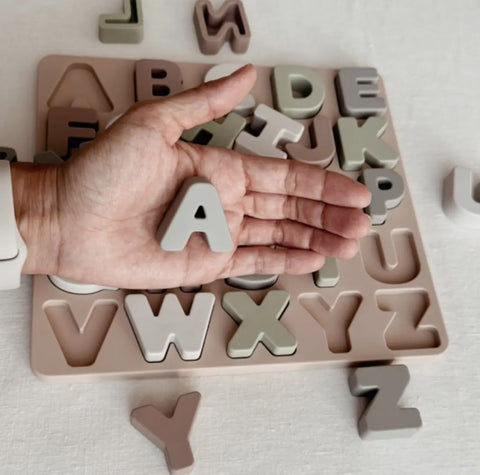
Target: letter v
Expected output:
[80,332]
[170,434]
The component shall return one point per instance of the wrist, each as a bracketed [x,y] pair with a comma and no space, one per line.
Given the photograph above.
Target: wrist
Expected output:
[35,202]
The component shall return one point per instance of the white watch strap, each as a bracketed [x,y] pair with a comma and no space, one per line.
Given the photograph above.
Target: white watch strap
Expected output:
[13,251]
[8,241]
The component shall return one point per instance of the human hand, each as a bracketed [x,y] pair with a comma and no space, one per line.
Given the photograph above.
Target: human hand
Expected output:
[94,219]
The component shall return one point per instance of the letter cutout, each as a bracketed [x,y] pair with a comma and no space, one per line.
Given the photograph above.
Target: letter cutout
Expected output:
[217,133]
[357,91]
[81,87]
[155,333]
[360,144]
[258,323]
[246,107]
[459,203]
[156,78]
[387,190]
[126,27]
[196,208]
[80,341]
[322,142]
[407,310]
[382,417]
[390,259]
[8,154]
[67,128]
[170,434]
[216,28]
[335,319]
[273,130]
[306,83]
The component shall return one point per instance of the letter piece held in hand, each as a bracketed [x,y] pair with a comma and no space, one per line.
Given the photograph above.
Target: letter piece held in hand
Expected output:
[382,417]
[170,434]
[196,208]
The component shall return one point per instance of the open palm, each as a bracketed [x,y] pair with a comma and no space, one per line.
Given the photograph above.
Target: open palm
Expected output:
[114,193]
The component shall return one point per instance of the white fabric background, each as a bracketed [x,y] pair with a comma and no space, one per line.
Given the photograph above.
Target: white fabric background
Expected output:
[298,422]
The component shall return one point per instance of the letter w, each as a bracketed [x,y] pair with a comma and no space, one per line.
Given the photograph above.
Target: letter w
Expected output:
[155,333]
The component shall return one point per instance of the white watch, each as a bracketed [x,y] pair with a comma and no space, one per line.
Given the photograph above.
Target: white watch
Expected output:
[13,251]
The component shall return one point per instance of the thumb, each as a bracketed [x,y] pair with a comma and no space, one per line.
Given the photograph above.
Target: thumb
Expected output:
[202,104]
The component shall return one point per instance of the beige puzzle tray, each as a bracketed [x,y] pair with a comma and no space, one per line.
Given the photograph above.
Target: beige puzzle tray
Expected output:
[383,306]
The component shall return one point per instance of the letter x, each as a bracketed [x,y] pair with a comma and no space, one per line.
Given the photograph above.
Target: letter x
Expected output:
[259,323]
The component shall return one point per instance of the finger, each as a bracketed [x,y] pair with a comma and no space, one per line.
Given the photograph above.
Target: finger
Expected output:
[346,222]
[290,177]
[264,260]
[201,104]
[290,234]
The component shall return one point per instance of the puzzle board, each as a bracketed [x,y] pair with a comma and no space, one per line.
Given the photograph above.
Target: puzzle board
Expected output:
[384,306]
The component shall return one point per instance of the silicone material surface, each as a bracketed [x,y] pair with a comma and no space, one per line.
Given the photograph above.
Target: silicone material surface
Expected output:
[155,333]
[126,27]
[382,418]
[214,28]
[170,434]
[358,92]
[360,144]
[459,203]
[258,323]
[271,130]
[180,221]
[383,307]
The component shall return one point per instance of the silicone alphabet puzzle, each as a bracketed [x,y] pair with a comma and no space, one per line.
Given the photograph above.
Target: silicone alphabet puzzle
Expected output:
[380,305]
